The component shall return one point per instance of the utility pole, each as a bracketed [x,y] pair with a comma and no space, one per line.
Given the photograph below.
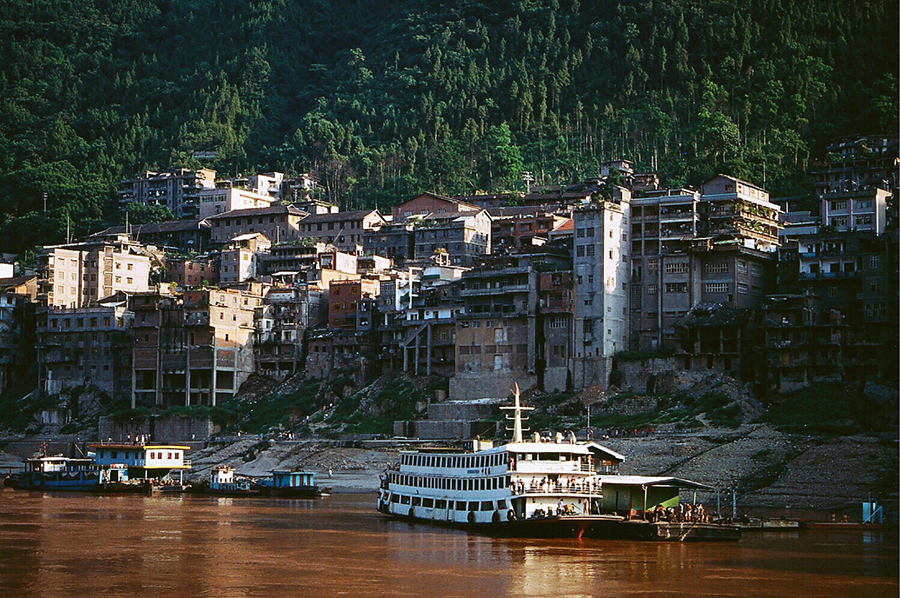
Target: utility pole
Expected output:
[528,177]
[45,202]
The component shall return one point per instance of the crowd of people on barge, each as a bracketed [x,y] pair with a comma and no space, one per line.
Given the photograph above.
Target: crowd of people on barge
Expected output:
[681,513]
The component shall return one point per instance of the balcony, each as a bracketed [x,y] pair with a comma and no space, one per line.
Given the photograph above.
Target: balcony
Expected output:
[828,275]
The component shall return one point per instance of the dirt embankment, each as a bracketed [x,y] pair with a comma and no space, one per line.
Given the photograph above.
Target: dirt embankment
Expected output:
[767,467]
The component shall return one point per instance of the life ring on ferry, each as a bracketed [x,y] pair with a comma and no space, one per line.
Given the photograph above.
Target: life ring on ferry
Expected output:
[495,518]
[511,515]
[471,517]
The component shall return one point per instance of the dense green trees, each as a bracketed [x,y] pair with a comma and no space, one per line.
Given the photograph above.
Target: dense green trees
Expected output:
[382,100]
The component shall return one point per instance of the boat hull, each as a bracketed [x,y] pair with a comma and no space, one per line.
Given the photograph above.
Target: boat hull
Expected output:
[296,492]
[92,486]
[569,526]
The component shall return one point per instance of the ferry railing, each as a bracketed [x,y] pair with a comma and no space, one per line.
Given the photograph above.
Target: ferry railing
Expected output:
[594,489]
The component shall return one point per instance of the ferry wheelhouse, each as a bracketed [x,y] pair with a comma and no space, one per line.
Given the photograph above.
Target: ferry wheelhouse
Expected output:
[542,486]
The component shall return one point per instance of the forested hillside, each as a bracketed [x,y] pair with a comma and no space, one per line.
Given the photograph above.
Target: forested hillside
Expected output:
[383,99]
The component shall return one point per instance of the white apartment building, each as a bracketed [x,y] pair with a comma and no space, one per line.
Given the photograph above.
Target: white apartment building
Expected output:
[82,274]
[211,202]
[863,210]
[601,268]
[243,259]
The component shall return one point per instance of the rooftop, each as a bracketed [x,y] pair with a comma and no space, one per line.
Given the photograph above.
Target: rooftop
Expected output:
[267,211]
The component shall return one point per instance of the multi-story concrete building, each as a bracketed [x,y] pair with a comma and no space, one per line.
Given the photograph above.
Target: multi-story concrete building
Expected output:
[854,273]
[858,163]
[862,210]
[193,271]
[86,346]
[211,202]
[281,324]
[714,337]
[17,330]
[465,236]
[79,275]
[182,235]
[801,342]
[292,256]
[601,268]
[242,259]
[344,230]
[690,249]
[514,325]
[734,209]
[194,349]
[391,240]
[516,227]
[495,332]
[167,189]
[430,203]
[278,223]
[344,297]
[555,329]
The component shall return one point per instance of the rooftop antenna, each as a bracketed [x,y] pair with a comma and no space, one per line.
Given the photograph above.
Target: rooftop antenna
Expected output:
[517,410]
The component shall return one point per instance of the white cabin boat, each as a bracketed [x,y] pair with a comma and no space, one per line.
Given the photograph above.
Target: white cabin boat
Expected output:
[542,486]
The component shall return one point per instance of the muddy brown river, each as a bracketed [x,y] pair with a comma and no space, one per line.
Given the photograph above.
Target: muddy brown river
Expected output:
[84,545]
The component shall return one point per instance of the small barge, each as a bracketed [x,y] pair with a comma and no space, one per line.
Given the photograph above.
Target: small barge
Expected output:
[292,484]
[223,482]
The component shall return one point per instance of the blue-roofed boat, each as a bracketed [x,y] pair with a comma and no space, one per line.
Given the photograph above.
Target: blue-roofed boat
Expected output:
[298,484]
[57,473]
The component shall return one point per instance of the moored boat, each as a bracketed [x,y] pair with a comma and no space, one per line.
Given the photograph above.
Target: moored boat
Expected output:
[46,472]
[222,481]
[297,484]
[540,487]
[545,486]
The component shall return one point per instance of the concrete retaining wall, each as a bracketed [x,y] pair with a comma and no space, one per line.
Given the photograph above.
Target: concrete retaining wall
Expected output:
[497,384]
[159,429]
[647,375]
[461,411]
[446,429]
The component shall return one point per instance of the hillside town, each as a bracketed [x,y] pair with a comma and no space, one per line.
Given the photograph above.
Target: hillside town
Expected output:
[548,289]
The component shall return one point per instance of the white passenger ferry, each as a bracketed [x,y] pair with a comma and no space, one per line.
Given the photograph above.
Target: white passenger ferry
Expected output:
[542,487]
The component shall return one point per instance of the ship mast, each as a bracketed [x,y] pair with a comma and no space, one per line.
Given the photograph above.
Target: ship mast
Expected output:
[517,419]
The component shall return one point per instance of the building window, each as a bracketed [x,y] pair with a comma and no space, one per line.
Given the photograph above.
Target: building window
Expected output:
[717,287]
[651,289]
[717,268]
[590,251]
[676,287]
[579,251]
[874,262]
[865,219]
[839,204]
[652,266]
[863,204]
[839,221]
[676,267]
[743,289]
[558,322]
[874,287]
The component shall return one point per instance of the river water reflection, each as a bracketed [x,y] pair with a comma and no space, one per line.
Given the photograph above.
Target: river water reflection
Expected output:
[189,546]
